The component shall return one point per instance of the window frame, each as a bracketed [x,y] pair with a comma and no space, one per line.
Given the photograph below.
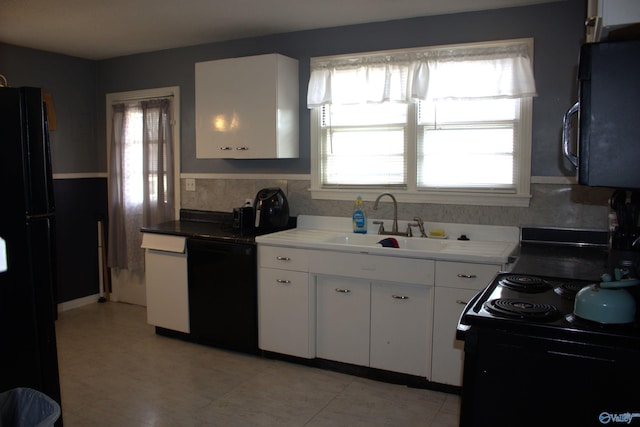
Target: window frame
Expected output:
[478,197]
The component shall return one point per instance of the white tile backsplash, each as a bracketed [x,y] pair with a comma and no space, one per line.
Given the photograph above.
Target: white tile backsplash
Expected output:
[567,206]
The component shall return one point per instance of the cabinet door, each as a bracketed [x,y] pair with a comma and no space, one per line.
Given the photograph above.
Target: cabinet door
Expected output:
[167,292]
[343,307]
[401,328]
[247,107]
[285,313]
[448,353]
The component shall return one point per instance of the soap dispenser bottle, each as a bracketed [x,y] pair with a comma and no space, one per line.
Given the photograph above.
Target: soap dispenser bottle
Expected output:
[359,217]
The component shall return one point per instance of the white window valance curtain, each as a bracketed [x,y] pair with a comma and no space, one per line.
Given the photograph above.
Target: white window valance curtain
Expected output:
[489,72]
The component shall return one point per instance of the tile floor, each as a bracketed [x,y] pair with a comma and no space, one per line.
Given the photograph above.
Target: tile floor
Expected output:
[115,371]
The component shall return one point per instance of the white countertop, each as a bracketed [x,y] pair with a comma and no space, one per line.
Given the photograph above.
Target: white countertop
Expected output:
[486,244]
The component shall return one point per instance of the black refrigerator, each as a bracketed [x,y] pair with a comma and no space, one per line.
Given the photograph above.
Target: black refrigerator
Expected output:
[27,227]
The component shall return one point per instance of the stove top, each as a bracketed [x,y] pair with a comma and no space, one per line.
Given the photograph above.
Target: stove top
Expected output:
[533,304]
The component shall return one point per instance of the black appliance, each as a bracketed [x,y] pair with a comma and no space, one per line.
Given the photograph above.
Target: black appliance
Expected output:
[625,237]
[608,111]
[529,361]
[243,220]
[223,293]
[27,287]
[271,209]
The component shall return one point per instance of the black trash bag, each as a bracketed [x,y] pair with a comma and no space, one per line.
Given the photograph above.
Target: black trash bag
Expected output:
[25,407]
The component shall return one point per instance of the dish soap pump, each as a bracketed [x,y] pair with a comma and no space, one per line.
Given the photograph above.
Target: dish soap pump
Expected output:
[359,217]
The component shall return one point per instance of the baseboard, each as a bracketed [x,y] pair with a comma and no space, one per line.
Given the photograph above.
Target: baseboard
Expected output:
[78,302]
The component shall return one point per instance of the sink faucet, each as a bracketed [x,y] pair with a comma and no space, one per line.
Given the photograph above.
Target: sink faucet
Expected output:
[420,226]
[394,228]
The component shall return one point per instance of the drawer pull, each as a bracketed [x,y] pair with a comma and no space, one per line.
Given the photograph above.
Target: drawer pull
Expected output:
[242,148]
[459,301]
[283,258]
[344,291]
[400,296]
[283,281]
[225,148]
[467,276]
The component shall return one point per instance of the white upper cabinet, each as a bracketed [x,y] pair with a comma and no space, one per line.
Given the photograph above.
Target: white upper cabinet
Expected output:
[247,108]
[605,16]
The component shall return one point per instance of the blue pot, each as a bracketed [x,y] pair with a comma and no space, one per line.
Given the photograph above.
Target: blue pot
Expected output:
[607,302]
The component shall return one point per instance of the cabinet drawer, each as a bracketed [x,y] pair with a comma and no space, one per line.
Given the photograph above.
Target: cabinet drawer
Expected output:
[465,275]
[382,268]
[283,258]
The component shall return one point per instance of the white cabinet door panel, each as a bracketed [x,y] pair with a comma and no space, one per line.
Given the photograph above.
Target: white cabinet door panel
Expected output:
[401,328]
[247,108]
[167,291]
[286,312]
[343,308]
[448,353]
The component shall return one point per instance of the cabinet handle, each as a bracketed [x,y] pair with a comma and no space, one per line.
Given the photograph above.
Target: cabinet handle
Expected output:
[459,301]
[283,281]
[225,148]
[400,296]
[242,148]
[283,258]
[467,276]
[344,291]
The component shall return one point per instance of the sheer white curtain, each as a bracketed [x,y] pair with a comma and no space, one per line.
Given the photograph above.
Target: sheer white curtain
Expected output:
[490,72]
[141,185]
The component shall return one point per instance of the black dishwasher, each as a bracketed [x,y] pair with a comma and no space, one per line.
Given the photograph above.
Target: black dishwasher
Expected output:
[223,308]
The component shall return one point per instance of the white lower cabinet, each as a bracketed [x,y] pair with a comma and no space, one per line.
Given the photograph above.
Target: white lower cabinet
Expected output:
[166,281]
[286,302]
[401,328]
[391,313]
[342,320]
[448,352]
[381,325]
[285,314]
[456,284]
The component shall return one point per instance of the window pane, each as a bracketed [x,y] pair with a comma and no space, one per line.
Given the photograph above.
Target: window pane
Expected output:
[467,158]
[364,114]
[435,113]
[364,156]
[364,144]
[133,157]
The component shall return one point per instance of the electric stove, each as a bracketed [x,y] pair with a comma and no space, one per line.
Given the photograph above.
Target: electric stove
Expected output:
[529,361]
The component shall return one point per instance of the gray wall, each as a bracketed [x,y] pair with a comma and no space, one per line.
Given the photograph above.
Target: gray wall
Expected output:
[72,83]
[557,29]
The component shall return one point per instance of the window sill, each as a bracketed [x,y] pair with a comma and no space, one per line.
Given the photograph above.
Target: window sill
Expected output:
[462,198]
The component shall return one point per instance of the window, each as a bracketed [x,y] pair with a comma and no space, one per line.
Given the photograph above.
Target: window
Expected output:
[434,125]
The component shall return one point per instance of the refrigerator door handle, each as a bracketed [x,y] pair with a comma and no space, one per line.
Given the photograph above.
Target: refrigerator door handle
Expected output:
[566,134]
[3,255]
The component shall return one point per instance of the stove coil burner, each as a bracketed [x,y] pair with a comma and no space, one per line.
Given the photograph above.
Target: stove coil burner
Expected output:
[569,290]
[524,283]
[522,309]
[583,323]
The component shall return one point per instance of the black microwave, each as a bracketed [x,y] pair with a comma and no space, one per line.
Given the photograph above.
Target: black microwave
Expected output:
[607,152]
